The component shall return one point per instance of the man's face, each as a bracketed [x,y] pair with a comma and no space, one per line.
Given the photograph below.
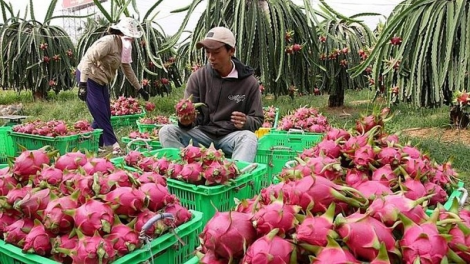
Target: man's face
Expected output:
[219,58]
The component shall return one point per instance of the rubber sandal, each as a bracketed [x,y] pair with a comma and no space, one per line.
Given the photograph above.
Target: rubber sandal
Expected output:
[117,151]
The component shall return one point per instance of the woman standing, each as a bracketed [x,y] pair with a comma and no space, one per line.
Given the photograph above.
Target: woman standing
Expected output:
[98,68]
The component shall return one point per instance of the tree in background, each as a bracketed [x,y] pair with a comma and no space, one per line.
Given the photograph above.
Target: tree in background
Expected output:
[343,42]
[422,55]
[273,37]
[35,56]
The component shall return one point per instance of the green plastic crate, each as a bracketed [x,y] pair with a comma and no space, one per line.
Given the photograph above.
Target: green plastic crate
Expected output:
[141,145]
[85,141]
[458,194]
[208,199]
[6,144]
[126,120]
[3,166]
[164,249]
[194,260]
[275,149]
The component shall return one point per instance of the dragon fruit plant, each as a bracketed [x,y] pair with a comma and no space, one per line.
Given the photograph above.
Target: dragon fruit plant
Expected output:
[76,208]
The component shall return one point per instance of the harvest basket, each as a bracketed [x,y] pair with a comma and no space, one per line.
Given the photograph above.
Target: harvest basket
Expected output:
[164,249]
[209,199]
[126,120]
[141,144]
[88,141]
[275,149]
[6,144]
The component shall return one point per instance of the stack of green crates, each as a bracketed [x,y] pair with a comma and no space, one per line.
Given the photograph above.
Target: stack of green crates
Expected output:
[173,248]
[88,141]
[6,144]
[277,148]
[209,199]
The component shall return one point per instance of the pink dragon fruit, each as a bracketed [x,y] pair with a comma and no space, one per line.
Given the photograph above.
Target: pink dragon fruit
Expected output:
[411,152]
[7,182]
[157,195]
[146,164]
[55,220]
[382,257]
[28,163]
[133,157]
[96,164]
[124,238]
[387,209]
[6,220]
[210,258]
[389,156]
[270,249]
[460,242]
[191,172]
[249,206]
[94,249]
[385,175]
[215,173]
[158,228]
[185,108]
[70,161]
[15,195]
[62,247]
[151,177]
[181,214]
[333,253]
[363,156]
[161,165]
[16,232]
[413,189]
[33,204]
[355,177]
[49,175]
[416,168]
[337,133]
[313,230]
[227,234]
[38,240]
[174,170]
[211,154]
[276,215]
[93,216]
[126,201]
[363,234]
[423,242]
[373,189]
[328,148]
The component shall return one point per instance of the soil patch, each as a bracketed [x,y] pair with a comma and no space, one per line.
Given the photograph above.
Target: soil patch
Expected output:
[445,135]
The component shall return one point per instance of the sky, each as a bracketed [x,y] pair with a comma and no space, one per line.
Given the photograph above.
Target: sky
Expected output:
[171,22]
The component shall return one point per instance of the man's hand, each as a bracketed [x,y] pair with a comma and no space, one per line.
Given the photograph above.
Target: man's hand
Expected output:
[82,91]
[144,94]
[238,119]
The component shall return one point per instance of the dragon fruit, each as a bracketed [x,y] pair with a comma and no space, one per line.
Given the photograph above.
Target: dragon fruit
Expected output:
[333,253]
[389,156]
[423,242]
[124,238]
[460,242]
[94,249]
[16,232]
[387,209]
[55,220]
[28,163]
[210,258]
[180,214]
[313,230]
[93,216]
[7,182]
[96,164]
[121,178]
[71,161]
[161,165]
[372,189]
[8,201]
[385,175]
[248,206]
[191,172]
[133,157]
[355,177]
[382,257]
[157,196]
[185,108]
[276,215]
[363,234]
[38,240]
[215,173]
[413,188]
[270,249]
[227,234]
[6,220]
[158,228]
[62,247]
[151,177]
[48,175]
[33,204]
[126,201]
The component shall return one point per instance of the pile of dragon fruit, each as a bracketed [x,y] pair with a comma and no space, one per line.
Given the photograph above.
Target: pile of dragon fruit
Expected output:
[144,135]
[125,106]
[81,209]
[195,165]
[307,119]
[156,120]
[53,128]
[269,116]
[358,196]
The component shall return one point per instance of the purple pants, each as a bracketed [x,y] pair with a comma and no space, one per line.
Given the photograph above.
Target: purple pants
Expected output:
[99,105]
